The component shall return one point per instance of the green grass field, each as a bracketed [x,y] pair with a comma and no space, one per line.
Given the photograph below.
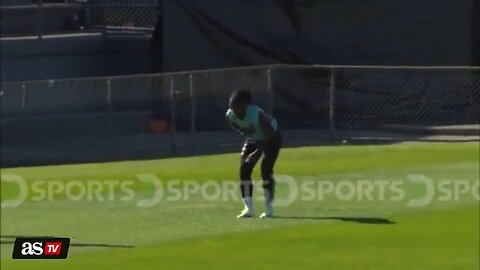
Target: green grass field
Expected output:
[312,232]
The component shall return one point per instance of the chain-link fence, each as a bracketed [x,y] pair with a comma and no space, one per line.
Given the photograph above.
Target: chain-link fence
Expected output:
[43,17]
[123,13]
[183,113]
[369,98]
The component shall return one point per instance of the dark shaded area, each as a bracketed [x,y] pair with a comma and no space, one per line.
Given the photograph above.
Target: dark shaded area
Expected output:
[363,220]
[476,32]
[6,242]
[231,33]
[89,151]
[157,41]
[200,18]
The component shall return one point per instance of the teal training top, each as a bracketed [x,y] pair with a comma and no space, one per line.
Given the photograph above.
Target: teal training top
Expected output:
[251,119]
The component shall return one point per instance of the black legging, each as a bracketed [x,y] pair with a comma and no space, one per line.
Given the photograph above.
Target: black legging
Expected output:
[270,152]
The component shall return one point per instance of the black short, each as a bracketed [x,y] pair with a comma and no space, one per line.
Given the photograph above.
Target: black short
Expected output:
[269,150]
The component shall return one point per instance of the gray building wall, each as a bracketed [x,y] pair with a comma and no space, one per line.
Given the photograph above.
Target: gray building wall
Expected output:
[74,56]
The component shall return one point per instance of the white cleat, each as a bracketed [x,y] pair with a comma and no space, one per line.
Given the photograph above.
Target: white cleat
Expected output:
[246,213]
[266,215]
[268,211]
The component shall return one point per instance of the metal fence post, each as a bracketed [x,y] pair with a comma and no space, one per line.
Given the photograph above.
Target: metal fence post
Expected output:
[193,105]
[270,91]
[333,86]
[40,19]
[173,114]
[104,18]
[109,95]
[109,131]
[88,16]
[193,112]
[24,97]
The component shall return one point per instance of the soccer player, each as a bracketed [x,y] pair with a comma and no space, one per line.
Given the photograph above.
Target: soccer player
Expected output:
[262,137]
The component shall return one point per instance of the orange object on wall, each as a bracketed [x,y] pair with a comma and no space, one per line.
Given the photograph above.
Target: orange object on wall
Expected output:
[158,126]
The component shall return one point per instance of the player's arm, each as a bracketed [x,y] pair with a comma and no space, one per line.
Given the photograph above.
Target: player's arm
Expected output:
[234,126]
[265,122]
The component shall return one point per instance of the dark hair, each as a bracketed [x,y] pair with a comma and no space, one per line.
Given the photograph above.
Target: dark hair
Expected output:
[242,96]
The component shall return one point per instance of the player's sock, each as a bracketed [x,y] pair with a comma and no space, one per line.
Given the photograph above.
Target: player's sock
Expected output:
[248,209]
[248,202]
[268,210]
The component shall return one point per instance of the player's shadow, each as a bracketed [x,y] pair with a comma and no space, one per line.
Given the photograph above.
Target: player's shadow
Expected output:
[363,220]
[3,241]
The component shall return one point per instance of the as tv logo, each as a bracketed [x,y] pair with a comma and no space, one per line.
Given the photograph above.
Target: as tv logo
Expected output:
[41,248]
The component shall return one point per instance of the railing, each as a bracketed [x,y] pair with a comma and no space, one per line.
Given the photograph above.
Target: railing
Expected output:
[327,102]
[78,16]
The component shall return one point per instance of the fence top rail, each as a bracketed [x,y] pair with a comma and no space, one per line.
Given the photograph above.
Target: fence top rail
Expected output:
[39,5]
[259,67]
[402,67]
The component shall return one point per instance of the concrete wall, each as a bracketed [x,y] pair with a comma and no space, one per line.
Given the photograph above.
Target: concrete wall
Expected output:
[27,20]
[74,56]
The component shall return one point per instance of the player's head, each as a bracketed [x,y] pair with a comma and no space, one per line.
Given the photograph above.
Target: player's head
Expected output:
[239,101]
